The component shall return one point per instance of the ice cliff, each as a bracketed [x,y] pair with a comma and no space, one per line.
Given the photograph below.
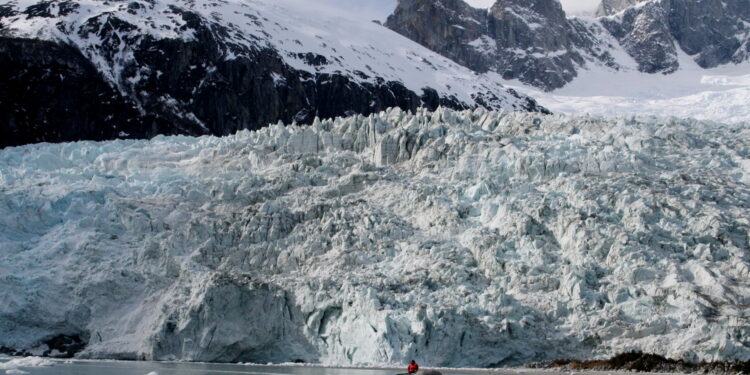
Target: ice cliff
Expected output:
[456,238]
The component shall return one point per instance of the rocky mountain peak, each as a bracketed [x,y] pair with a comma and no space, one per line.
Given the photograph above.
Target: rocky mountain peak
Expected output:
[538,25]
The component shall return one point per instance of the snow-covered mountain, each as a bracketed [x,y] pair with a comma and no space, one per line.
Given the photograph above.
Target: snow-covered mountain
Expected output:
[531,41]
[534,42]
[457,238]
[100,69]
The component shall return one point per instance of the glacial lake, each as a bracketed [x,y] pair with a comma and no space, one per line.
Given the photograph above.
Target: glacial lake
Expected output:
[76,367]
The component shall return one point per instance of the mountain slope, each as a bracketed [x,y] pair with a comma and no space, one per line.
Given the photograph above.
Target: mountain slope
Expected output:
[186,67]
[456,238]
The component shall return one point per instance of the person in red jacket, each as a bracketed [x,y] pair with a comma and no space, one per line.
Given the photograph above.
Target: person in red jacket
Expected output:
[413,367]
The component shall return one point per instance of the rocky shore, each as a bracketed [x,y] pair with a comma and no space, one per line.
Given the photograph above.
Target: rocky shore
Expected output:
[643,362]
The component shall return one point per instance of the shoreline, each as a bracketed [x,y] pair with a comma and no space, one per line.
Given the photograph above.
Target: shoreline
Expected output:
[631,362]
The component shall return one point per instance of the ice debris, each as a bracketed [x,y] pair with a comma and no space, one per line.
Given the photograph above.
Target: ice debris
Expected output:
[15,365]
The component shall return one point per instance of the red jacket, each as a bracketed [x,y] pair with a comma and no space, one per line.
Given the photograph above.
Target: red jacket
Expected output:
[413,367]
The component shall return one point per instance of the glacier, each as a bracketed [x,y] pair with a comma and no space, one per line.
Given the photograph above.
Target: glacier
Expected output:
[464,239]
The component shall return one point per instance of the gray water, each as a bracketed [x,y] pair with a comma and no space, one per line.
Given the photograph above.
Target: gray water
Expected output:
[171,368]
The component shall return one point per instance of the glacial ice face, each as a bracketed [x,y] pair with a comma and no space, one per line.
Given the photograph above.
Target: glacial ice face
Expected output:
[456,238]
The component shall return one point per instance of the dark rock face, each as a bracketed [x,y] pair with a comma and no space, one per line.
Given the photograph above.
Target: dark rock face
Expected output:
[644,33]
[54,94]
[51,92]
[709,30]
[57,92]
[527,40]
[452,26]
[539,45]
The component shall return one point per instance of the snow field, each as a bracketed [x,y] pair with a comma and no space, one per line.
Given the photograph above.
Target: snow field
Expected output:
[718,94]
